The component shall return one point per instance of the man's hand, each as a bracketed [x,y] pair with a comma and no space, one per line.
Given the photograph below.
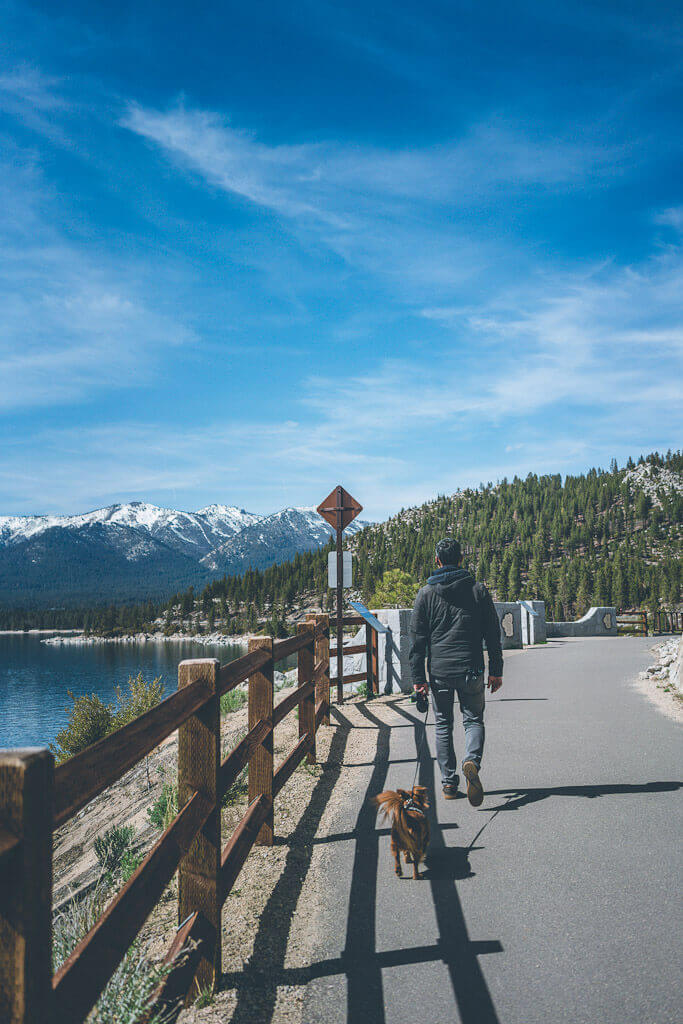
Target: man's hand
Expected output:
[421,689]
[495,683]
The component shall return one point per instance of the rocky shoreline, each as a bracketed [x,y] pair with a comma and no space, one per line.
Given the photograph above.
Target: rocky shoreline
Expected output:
[663,681]
[205,639]
[666,672]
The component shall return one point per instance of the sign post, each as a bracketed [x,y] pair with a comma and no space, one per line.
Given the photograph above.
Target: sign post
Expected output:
[339,509]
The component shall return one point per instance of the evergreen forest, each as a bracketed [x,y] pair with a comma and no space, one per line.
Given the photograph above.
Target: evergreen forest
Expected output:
[606,537]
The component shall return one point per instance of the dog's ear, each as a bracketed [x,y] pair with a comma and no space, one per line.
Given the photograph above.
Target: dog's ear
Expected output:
[420,795]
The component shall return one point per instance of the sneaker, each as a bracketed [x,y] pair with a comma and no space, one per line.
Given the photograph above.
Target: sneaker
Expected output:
[450,789]
[475,790]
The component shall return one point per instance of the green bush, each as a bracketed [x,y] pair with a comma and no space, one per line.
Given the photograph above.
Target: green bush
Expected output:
[233,701]
[141,697]
[396,589]
[238,790]
[112,845]
[362,690]
[165,807]
[130,862]
[89,721]
[127,994]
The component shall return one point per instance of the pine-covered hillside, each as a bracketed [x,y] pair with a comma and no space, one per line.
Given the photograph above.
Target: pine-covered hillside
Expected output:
[605,537]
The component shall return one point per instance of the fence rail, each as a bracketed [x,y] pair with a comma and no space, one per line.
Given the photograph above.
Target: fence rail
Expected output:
[36,798]
[630,623]
[637,621]
[667,622]
[369,648]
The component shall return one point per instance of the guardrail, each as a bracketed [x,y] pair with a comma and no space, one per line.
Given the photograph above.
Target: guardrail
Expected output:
[36,797]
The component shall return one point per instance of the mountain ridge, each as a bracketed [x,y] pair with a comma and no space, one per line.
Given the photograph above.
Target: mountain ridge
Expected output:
[138,550]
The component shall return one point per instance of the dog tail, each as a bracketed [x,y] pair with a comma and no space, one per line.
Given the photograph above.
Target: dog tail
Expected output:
[389,803]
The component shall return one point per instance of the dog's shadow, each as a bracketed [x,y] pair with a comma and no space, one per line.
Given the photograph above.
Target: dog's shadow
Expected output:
[449,863]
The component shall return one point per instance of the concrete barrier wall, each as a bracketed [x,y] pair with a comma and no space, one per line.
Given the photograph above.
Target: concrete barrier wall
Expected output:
[510,617]
[517,627]
[601,621]
[533,625]
[393,647]
[393,651]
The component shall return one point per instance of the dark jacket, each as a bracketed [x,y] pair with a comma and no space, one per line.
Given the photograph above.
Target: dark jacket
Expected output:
[452,616]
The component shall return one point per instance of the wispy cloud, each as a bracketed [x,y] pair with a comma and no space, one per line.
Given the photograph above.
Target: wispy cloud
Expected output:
[572,377]
[26,86]
[672,217]
[335,183]
[75,321]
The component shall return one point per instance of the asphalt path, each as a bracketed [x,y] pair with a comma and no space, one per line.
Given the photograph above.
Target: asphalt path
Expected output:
[557,900]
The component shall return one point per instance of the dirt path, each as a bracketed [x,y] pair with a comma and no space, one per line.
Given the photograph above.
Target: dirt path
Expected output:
[271,922]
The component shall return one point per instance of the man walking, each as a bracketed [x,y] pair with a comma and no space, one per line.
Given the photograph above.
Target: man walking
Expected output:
[451,618]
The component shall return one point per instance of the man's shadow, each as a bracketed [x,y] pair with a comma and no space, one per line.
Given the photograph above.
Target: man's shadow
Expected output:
[517,798]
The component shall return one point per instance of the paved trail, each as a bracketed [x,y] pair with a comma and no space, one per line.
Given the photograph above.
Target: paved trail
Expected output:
[557,900]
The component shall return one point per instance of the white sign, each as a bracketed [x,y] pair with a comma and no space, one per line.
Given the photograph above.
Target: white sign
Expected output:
[332,569]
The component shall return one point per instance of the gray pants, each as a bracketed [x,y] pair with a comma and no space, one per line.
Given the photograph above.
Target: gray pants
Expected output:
[470,691]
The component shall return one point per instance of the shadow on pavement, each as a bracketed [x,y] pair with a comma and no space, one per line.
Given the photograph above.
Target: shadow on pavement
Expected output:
[456,949]
[365,995]
[517,798]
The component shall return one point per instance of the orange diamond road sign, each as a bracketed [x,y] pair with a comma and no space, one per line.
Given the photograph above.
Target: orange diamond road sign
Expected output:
[338,501]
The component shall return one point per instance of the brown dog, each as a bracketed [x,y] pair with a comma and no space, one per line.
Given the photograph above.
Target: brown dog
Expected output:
[409,824]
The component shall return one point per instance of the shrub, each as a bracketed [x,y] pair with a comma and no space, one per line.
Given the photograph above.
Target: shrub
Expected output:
[110,847]
[238,790]
[233,701]
[126,996]
[142,696]
[89,721]
[362,690]
[397,589]
[165,807]
[130,862]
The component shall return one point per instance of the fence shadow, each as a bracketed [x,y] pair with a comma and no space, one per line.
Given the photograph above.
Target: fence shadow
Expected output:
[256,984]
[365,995]
[445,866]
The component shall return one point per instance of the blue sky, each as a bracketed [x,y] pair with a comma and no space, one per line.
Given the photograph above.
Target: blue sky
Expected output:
[250,251]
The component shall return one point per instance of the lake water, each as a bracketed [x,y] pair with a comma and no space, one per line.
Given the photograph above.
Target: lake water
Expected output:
[35,678]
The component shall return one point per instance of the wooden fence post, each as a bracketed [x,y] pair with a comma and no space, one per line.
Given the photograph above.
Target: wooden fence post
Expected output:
[375,661]
[306,664]
[261,763]
[199,756]
[322,653]
[368,657]
[26,787]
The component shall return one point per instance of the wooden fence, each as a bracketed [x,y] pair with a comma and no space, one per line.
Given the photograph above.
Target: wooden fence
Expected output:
[369,649]
[632,623]
[637,621]
[36,797]
[667,622]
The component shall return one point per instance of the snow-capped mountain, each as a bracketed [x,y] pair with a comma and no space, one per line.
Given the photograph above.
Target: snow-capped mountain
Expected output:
[192,533]
[272,539]
[138,550]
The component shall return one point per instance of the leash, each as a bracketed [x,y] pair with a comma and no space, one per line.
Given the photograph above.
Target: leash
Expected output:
[419,749]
